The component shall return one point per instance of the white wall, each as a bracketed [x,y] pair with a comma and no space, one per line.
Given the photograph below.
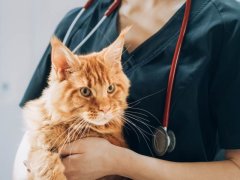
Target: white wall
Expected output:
[25,29]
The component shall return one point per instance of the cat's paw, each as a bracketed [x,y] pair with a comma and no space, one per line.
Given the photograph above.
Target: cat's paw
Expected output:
[55,170]
[46,165]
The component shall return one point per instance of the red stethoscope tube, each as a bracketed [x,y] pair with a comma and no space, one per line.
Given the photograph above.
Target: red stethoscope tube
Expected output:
[174,64]
[113,7]
[88,4]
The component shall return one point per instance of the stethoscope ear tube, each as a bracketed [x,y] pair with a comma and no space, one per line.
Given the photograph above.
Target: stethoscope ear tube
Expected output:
[88,4]
[113,7]
[85,7]
[108,12]
[172,73]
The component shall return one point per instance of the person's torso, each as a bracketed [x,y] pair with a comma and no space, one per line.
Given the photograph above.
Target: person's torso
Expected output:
[148,67]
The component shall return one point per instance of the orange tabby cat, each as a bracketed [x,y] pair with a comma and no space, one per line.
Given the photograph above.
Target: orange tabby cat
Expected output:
[86,97]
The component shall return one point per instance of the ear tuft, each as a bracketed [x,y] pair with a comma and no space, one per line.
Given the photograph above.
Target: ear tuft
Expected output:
[113,53]
[125,31]
[55,41]
[61,57]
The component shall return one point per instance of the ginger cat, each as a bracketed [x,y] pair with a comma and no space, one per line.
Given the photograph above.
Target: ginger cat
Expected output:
[86,97]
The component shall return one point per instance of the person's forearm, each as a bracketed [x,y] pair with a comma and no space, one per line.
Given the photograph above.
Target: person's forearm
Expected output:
[140,167]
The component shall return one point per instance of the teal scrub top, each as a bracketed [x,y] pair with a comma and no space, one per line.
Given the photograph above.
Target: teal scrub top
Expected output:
[205,111]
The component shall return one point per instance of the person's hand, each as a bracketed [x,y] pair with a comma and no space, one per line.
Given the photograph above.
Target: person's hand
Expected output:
[89,159]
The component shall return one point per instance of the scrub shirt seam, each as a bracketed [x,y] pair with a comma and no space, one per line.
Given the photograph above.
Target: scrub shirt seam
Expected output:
[221,45]
[222,19]
[173,113]
[221,49]
[222,144]
[155,53]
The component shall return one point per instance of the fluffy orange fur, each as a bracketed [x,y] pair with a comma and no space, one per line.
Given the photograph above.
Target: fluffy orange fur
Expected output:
[86,97]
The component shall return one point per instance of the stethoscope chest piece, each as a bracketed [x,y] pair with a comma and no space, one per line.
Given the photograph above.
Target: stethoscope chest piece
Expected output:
[163,141]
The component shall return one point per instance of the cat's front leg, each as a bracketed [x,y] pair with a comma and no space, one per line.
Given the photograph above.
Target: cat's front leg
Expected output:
[45,165]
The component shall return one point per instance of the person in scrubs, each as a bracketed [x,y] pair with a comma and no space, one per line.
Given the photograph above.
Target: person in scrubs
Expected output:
[205,111]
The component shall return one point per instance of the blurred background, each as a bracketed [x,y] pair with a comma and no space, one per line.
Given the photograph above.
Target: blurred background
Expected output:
[25,29]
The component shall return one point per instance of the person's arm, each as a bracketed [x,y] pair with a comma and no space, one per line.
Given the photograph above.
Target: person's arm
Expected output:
[93,158]
[141,167]
[19,169]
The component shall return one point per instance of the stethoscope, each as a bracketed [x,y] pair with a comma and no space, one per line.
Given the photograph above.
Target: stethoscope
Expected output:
[164,140]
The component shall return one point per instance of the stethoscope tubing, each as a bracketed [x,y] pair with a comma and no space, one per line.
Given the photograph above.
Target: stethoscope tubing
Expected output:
[85,7]
[107,13]
[90,33]
[174,64]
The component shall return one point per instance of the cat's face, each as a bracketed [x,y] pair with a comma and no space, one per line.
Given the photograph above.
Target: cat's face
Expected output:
[89,88]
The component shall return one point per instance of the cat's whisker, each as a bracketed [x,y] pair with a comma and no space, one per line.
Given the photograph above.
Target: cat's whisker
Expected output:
[131,114]
[88,130]
[68,139]
[127,121]
[125,50]
[124,64]
[78,132]
[146,139]
[65,140]
[84,130]
[142,130]
[132,129]
[63,133]
[78,127]
[134,112]
[147,96]
[127,47]
[137,103]
[140,109]
[145,124]
[136,116]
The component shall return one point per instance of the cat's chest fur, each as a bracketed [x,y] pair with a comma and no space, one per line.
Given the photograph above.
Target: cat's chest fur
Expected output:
[53,136]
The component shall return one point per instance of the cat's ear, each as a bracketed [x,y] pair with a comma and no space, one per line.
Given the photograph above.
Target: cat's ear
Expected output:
[113,53]
[61,57]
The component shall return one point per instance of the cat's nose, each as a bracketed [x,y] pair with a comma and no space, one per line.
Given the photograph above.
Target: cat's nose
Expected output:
[104,109]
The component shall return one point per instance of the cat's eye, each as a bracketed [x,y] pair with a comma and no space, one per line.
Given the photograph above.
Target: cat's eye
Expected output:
[85,91]
[111,88]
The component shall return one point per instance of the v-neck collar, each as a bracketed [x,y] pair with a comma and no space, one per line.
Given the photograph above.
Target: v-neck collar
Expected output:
[155,43]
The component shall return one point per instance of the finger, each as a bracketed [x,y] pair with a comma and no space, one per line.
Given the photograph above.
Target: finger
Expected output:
[76,147]
[68,164]
[79,146]
[26,165]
